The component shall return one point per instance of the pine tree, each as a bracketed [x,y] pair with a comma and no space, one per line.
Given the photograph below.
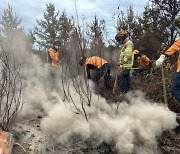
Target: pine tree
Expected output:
[12,31]
[150,39]
[129,23]
[97,35]
[66,28]
[156,23]
[140,30]
[48,28]
[52,26]
[9,22]
[165,11]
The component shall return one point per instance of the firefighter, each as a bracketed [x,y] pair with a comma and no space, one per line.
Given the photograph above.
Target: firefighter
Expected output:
[95,68]
[53,58]
[54,61]
[54,53]
[175,47]
[126,59]
[143,62]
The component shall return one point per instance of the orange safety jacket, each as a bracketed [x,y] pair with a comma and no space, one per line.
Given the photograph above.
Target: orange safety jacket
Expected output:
[174,48]
[95,61]
[54,55]
[143,61]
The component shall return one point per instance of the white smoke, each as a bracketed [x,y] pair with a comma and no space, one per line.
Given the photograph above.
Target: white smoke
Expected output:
[132,128]
[135,129]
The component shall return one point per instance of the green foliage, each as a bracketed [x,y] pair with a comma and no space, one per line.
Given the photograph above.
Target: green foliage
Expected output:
[52,26]
[66,27]
[97,34]
[47,29]
[11,30]
[151,37]
[129,23]
[153,28]
[9,22]
[164,13]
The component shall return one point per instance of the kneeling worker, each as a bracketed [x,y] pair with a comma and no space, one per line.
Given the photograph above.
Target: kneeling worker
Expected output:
[95,68]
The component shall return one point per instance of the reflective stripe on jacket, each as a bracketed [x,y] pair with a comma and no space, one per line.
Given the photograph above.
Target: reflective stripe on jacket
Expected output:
[127,55]
[175,48]
[54,57]
[143,61]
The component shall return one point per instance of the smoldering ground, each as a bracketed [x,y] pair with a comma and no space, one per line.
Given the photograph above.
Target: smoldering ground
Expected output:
[73,108]
[134,129]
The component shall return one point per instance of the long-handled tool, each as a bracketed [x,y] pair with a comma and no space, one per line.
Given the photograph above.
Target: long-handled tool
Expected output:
[116,80]
[116,77]
[164,85]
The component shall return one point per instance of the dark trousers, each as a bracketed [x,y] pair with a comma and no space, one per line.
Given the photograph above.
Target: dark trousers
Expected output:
[125,81]
[175,87]
[104,70]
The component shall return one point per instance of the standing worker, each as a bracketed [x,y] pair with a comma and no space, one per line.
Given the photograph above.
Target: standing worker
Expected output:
[96,67]
[53,58]
[126,59]
[175,47]
[53,53]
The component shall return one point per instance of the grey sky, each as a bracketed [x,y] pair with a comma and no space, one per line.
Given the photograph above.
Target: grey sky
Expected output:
[30,10]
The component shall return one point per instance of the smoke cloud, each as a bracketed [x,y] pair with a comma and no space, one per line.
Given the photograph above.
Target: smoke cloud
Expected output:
[132,127]
[135,129]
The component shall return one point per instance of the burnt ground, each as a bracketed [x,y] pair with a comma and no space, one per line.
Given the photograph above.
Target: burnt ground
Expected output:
[151,84]
[29,139]
[27,135]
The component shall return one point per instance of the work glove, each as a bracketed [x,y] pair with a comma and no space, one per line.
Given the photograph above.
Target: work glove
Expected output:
[160,61]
